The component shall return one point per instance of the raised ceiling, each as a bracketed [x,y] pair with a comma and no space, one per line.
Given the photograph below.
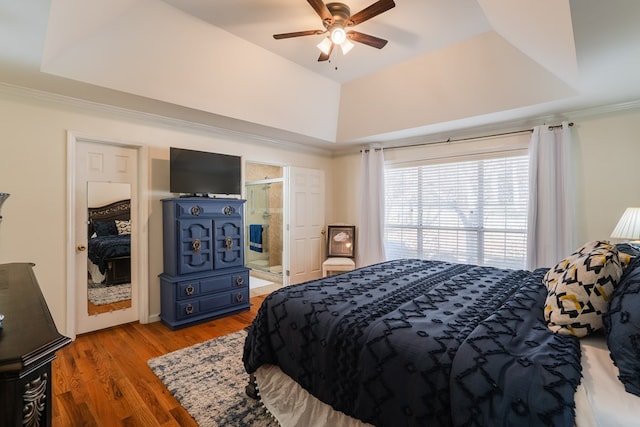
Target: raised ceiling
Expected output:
[449,66]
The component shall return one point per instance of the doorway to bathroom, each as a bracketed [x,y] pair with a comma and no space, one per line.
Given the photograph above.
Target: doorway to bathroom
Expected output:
[264,212]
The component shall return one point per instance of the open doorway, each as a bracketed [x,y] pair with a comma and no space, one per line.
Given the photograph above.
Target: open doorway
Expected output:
[264,220]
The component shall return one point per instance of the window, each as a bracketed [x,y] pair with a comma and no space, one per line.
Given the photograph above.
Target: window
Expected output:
[472,212]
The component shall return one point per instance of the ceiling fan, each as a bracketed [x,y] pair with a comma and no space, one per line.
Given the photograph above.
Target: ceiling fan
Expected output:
[336,19]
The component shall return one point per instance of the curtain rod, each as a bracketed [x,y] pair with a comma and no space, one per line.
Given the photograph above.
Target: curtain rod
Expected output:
[471,138]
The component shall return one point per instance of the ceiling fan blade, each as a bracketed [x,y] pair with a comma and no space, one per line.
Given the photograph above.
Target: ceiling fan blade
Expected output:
[297,34]
[367,39]
[321,9]
[374,10]
[325,56]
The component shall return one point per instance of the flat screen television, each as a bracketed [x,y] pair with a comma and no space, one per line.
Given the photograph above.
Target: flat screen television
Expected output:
[200,173]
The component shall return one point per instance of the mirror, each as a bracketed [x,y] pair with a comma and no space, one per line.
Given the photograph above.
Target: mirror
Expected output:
[108,247]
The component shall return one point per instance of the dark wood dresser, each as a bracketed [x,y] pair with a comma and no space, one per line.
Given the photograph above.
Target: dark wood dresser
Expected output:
[28,342]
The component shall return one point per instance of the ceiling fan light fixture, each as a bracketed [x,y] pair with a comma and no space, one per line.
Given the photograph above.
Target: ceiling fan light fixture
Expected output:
[338,35]
[325,45]
[346,46]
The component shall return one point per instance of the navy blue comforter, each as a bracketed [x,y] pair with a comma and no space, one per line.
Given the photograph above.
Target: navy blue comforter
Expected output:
[422,343]
[101,249]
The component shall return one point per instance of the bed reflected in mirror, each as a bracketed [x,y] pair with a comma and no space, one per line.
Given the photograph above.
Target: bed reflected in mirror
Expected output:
[108,247]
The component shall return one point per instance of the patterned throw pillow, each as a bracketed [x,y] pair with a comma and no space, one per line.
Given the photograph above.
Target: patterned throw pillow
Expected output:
[124,227]
[580,288]
[627,252]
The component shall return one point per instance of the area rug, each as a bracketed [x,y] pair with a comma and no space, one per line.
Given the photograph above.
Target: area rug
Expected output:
[101,294]
[208,380]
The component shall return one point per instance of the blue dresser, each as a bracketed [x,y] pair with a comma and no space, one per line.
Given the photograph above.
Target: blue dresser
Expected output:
[204,274]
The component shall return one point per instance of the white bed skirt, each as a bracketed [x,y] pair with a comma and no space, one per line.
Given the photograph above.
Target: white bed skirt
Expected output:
[292,405]
[94,272]
[600,398]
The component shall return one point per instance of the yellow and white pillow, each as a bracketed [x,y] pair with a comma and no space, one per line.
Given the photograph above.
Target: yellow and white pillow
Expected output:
[580,288]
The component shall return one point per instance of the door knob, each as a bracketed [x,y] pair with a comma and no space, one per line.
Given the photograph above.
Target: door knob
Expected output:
[82,248]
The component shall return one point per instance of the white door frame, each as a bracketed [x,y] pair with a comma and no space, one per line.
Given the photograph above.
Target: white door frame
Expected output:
[73,138]
[286,233]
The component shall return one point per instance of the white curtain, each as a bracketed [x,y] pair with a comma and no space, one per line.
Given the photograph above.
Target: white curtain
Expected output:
[371,220]
[551,232]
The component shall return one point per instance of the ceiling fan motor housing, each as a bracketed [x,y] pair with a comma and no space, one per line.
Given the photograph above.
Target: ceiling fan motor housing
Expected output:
[340,13]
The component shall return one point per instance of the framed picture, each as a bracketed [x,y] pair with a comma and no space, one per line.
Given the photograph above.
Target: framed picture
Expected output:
[341,241]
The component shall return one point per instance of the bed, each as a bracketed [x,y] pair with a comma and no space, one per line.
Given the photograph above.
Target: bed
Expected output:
[417,342]
[109,248]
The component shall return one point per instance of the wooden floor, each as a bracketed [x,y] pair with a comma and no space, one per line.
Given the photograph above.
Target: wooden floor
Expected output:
[105,308]
[102,378]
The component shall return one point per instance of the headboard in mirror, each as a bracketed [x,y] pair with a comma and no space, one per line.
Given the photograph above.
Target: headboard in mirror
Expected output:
[109,243]
[120,210]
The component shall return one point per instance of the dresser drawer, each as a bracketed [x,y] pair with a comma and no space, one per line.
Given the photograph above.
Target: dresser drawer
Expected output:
[212,303]
[195,209]
[209,285]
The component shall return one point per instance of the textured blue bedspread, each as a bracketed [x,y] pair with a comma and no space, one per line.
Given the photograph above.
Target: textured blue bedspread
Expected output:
[422,343]
[101,249]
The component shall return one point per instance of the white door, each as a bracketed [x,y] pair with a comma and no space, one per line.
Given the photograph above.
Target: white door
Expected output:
[101,170]
[306,224]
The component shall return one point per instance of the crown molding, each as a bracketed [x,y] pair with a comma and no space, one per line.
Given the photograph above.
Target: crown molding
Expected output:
[332,149]
[508,126]
[158,119]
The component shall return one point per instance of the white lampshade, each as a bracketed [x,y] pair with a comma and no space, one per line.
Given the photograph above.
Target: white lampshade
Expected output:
[629,225]
[325,45]
[346,46]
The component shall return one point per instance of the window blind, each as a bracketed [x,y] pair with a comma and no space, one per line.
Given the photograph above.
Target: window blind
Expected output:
[471,211]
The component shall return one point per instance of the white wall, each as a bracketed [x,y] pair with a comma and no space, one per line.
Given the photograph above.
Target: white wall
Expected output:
[33,170]
[608,150]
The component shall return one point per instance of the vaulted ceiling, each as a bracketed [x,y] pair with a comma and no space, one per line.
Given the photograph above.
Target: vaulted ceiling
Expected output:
[449,66]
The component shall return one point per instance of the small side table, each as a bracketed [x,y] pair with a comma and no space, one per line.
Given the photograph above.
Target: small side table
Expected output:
[337,264]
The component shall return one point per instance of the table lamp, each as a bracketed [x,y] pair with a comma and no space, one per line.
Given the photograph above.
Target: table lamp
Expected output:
[629,226]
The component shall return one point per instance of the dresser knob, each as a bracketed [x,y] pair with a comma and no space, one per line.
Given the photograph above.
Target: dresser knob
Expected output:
[239,280]
[195,210]
[239,297]
[195,245]
[189,290]
[188,309]
[228,243]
